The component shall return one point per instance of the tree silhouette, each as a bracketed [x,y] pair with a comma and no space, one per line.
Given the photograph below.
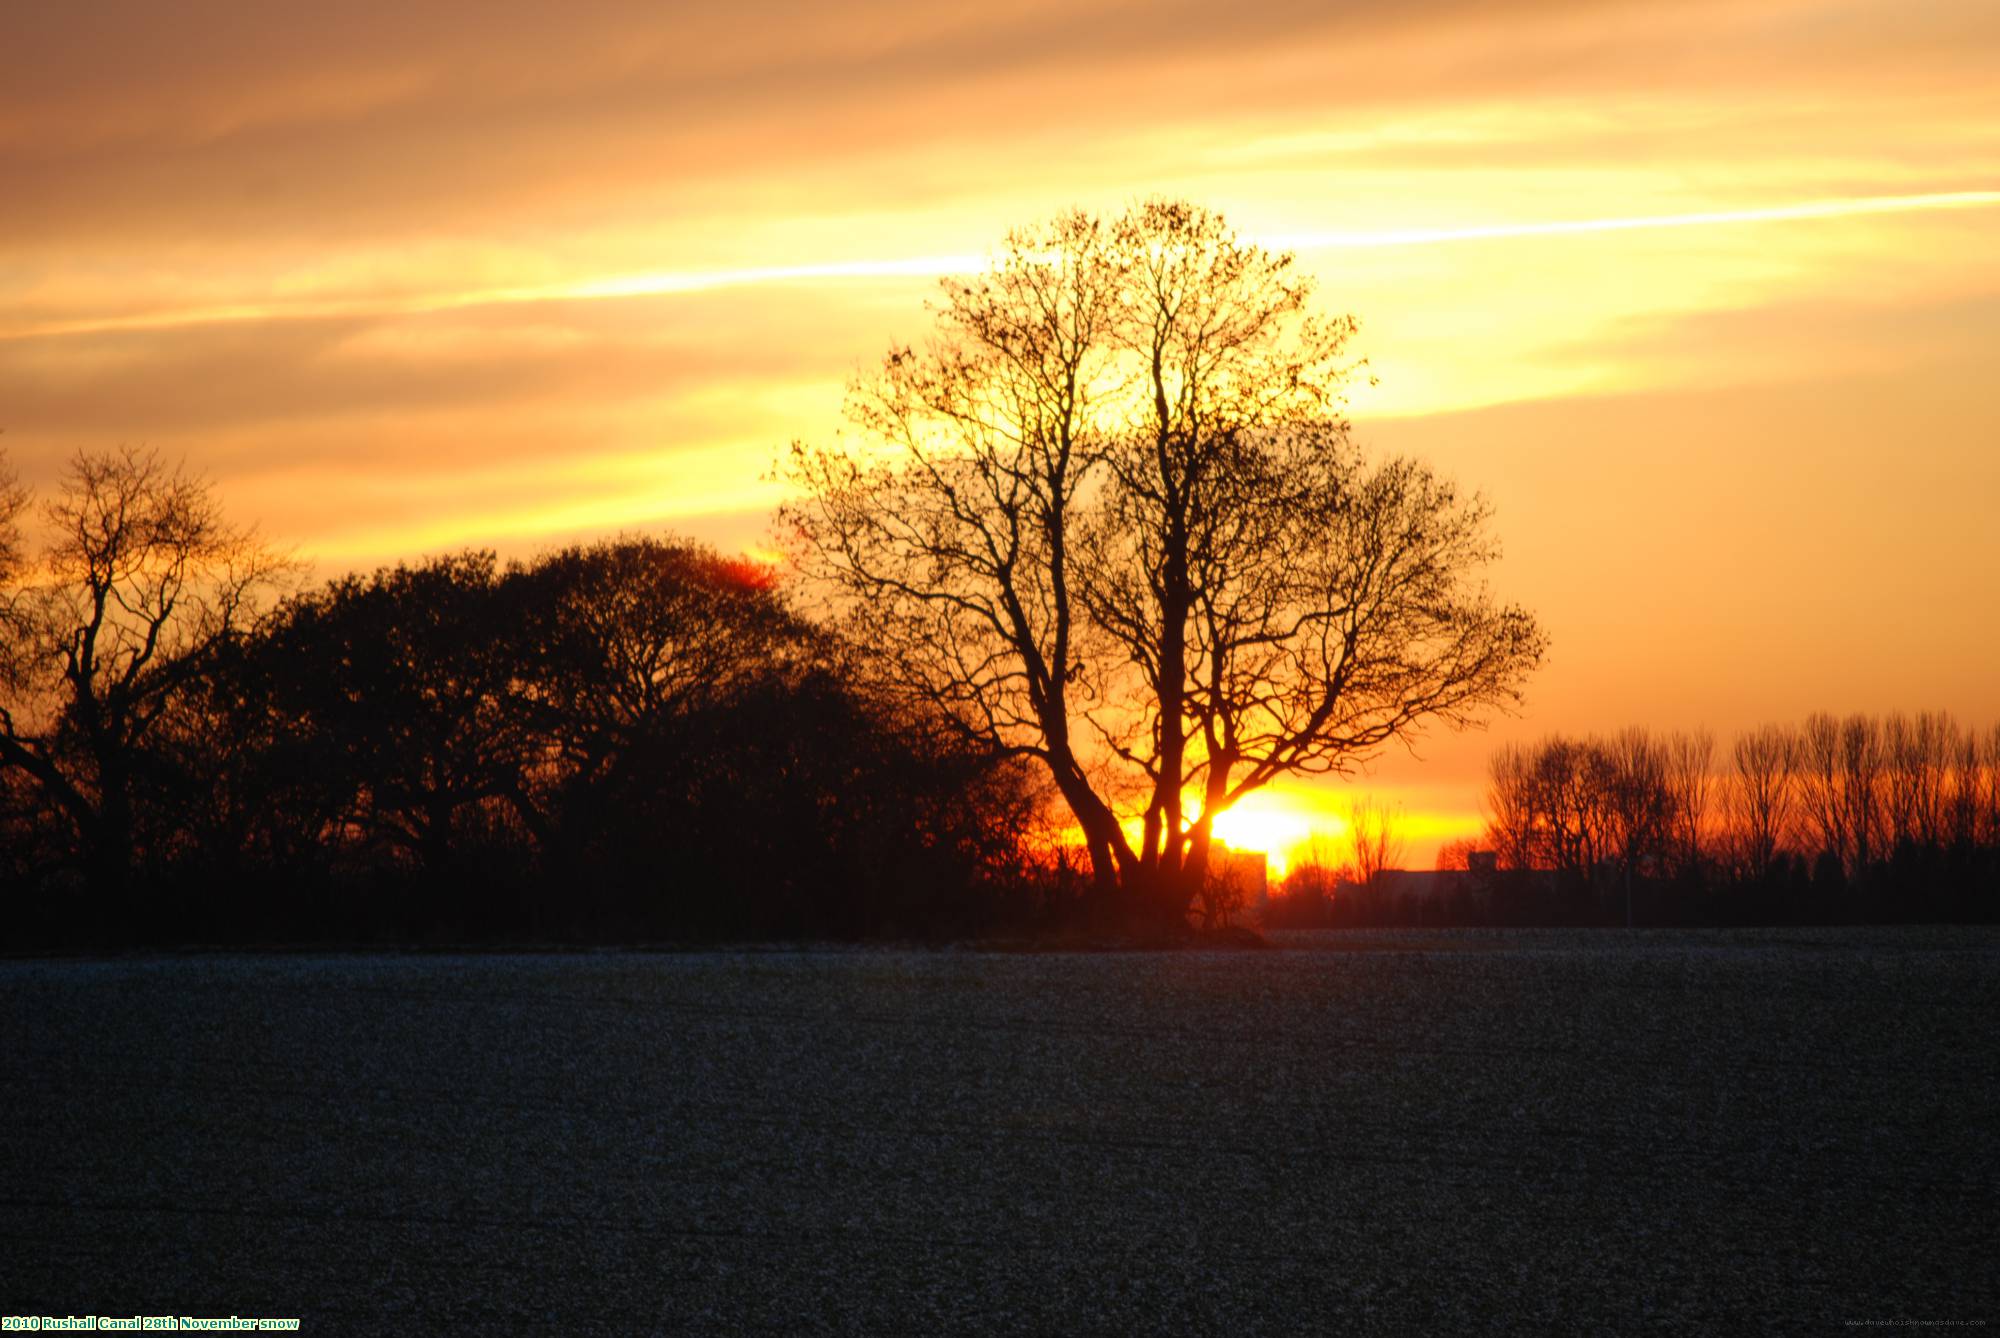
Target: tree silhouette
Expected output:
[624,644]
[410,708]
[1690,789]
[1110,518]
[141,581]
[1866,818]
[1374,841]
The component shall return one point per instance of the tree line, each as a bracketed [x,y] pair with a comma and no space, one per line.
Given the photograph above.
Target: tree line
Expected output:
[1862,817]
[633,739]
[1855,819]
[642,739]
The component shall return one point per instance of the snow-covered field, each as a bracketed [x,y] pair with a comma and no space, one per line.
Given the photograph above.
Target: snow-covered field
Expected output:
[1758,1131]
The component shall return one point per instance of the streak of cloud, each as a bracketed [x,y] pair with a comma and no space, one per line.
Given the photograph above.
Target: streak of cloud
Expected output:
[1781,213]
[661,283]
[656,283]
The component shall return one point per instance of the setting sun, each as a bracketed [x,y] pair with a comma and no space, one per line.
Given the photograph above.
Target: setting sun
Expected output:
[1280,824]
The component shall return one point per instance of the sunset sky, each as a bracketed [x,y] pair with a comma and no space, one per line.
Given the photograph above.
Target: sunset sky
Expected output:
[1704,296]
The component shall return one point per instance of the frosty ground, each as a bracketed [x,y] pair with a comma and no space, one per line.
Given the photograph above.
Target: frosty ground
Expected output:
[1385,1131]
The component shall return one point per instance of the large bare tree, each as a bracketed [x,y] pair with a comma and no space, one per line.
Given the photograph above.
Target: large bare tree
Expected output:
[1110,517]
[140,579]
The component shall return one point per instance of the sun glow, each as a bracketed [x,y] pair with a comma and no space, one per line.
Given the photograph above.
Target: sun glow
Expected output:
[1281,824]
[1297,822]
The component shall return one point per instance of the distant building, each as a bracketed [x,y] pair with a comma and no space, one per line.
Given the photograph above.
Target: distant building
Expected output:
[1419,884]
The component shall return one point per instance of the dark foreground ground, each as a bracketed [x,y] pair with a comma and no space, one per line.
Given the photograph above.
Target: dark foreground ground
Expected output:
[1389,1131]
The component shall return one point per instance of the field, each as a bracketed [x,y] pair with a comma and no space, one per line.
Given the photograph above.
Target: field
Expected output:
[1390,1131]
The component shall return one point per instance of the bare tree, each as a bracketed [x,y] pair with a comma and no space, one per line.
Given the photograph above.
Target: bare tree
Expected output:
[1986,823]
[1937,745]
[1374,840]
[1761,795]
[1514,818]
[1821,789]
[1639,802]
[16,653]
[1861,761]
[1573,778]
[1967,786]
[1574,805]
[1917,755]
[1690,784]
[141,580]
[1111,519]
[1316,867]
[14,502]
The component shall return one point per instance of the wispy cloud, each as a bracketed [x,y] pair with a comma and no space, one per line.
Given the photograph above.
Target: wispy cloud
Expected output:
[1777,213]
[664,283]
[652,283]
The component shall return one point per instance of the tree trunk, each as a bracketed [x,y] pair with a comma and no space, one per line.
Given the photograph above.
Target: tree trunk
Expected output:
[107,856]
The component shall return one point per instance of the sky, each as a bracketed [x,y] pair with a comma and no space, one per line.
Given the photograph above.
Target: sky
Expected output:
[1705,297]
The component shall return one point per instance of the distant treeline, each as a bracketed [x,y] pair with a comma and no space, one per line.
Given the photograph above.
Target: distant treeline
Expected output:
[1861,819]
[637,739]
